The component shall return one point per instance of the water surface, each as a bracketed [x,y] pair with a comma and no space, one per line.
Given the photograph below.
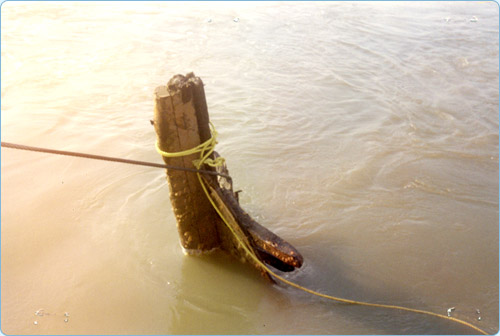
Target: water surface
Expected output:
[364,133]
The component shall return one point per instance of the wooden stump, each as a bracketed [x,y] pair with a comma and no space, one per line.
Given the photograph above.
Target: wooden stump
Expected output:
[177,128]
[181,122]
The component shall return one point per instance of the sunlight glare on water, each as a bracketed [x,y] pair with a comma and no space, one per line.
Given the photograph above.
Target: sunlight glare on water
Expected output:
[364,133]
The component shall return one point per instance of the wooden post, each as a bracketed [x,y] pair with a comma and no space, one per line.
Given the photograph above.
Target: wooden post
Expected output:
[181,122]
[177,127]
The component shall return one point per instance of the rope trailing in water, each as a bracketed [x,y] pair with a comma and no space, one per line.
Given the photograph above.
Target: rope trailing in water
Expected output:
[205,149]
[108,158]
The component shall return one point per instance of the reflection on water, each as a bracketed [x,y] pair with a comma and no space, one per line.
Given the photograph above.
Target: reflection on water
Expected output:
[204,306]
[366,134]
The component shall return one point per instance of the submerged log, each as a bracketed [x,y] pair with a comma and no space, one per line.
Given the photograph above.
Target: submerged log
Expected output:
[181,122]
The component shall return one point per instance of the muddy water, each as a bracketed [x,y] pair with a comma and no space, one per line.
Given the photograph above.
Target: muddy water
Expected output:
[366,134]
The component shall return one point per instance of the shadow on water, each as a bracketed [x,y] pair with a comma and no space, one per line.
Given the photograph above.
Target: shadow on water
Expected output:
[342,283]
[216,295]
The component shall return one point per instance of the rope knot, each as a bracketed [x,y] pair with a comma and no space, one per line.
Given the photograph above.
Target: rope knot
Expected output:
[205,149]
[220,161]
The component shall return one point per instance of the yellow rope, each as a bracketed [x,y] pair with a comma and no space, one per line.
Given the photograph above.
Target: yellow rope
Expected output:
[207,146]
[205,149]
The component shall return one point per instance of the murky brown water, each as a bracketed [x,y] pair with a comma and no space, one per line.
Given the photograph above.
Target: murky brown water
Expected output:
[366,134]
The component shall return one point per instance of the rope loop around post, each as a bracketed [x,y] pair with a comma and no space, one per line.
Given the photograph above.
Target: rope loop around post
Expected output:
[205,149]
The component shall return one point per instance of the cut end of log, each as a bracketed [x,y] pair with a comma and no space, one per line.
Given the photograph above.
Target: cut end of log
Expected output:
[161,92]
[179,82]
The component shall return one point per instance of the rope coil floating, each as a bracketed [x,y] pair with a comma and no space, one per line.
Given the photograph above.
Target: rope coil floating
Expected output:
[205,149]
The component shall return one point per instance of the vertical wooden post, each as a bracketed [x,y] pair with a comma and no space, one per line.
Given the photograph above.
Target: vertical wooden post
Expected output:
[180,126]
[181,122]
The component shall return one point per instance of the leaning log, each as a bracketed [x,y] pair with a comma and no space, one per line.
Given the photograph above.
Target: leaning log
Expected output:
[181,122]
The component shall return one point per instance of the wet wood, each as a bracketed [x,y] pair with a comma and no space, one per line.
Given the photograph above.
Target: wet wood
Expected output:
[270,248]
[181,122]
[177,130]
